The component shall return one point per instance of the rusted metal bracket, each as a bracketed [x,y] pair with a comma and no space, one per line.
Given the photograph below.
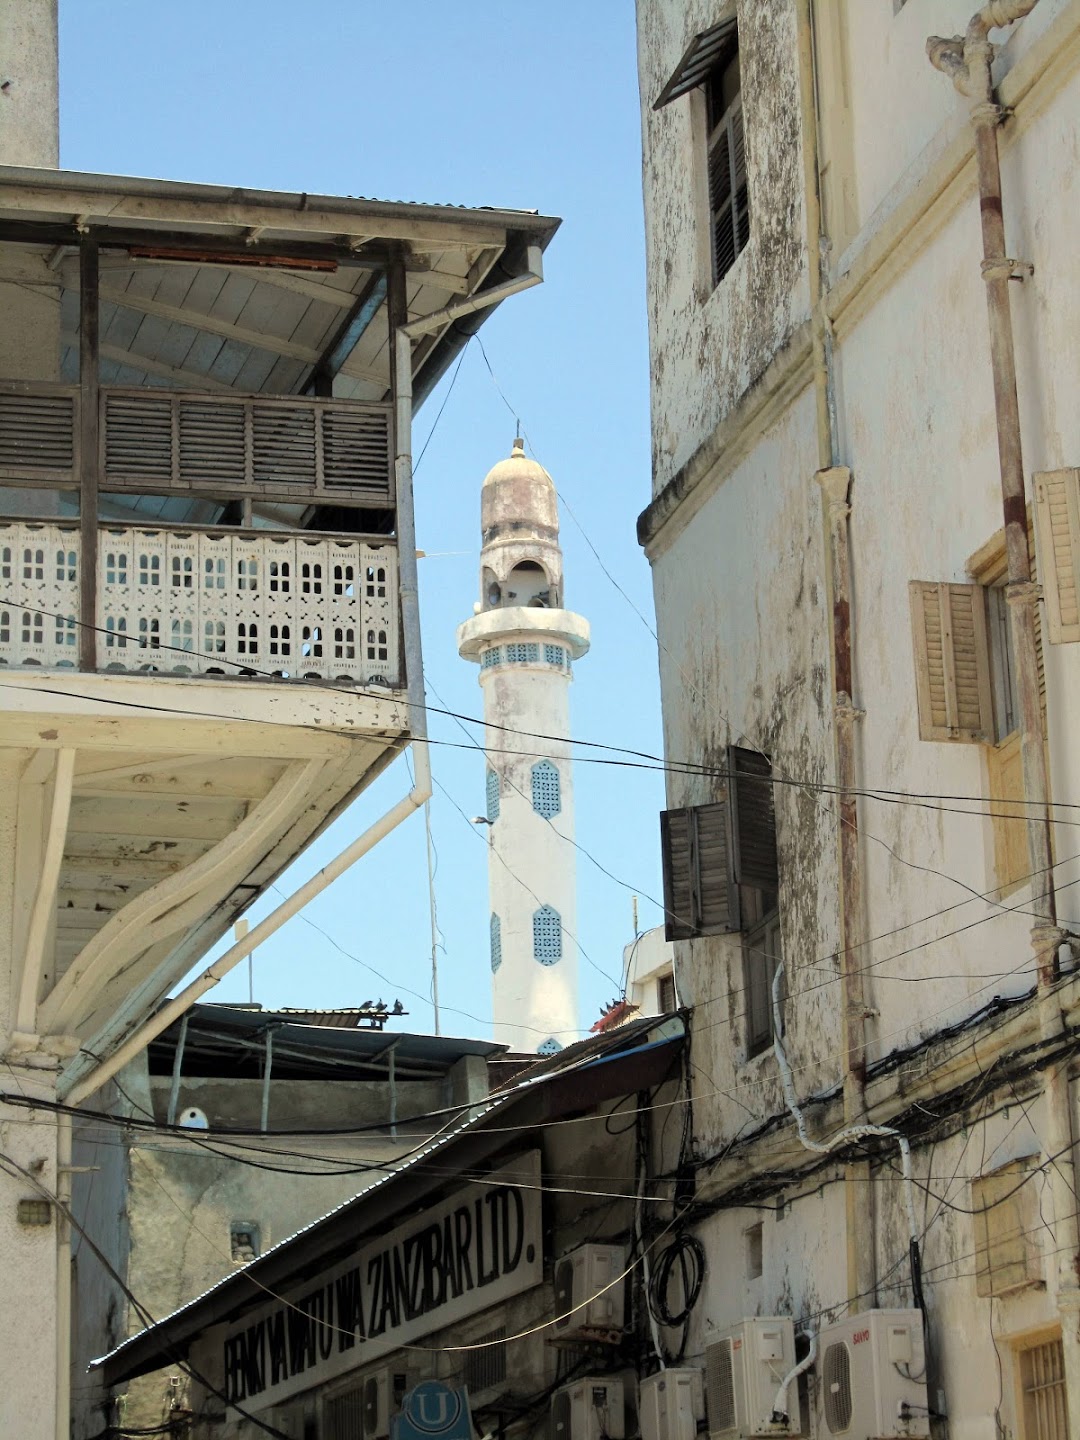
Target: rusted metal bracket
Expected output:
[1007,269]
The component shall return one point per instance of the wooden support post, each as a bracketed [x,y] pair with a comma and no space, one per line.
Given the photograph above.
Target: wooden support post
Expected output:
[89,419]
[397,314]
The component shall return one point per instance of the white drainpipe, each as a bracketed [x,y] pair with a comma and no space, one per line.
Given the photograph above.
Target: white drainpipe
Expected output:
[414,670]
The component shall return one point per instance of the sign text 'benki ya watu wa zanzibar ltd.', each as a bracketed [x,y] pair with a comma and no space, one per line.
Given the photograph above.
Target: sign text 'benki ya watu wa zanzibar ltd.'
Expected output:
[471,1251]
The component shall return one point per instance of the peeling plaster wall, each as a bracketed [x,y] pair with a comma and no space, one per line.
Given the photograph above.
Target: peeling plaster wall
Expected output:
[739,571]
[708,345]
[182,1199]
[741,608]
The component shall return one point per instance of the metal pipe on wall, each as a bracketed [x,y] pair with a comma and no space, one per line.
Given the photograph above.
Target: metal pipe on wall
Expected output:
[968,61]
[835,482]
[63,1277]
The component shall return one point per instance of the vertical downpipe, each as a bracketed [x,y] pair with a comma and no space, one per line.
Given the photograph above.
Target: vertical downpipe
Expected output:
[88,447]
[63,1278]
[835,482]
[968,61]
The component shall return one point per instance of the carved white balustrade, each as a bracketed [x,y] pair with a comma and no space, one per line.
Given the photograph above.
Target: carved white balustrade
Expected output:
[203,602]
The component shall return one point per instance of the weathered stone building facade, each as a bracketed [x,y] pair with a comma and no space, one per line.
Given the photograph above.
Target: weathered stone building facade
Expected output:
[858,689]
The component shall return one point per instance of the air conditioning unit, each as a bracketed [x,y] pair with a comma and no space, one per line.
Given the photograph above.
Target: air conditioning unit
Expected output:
[872,1376]
[381,1396]
[743,1370]
[671,1405]
[589,1409]
[589,1288]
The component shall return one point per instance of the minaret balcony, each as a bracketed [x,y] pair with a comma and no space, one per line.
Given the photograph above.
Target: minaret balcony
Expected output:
[527,623]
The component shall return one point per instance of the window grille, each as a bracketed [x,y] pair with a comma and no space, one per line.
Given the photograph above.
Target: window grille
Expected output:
[247,573]
[493,795]
[33,632]
[66,562]
[344,580]
[214,573]
[546,789]
[344,643]
[523,653]
[343,1414]
[1044,1397]
[33,564]
[485,1368]
[550,1046]
[114,633]
[491,657]
[310,579]
[496,943]
[214,637]
[555,655]
[115,568]
[547,935]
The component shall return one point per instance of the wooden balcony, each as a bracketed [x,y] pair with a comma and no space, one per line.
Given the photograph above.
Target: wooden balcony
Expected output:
[203,601]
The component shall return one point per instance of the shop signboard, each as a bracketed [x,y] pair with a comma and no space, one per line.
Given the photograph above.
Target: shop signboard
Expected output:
[477,1248]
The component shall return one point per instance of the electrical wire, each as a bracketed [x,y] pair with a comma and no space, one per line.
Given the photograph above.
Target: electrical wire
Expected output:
[647,760]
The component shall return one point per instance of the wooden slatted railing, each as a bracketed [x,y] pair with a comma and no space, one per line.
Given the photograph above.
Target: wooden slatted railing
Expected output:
[164,442]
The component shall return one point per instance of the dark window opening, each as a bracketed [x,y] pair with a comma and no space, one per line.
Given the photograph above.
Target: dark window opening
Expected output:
[729,198]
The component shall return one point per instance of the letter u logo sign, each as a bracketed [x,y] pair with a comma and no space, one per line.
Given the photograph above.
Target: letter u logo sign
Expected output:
[434,1408]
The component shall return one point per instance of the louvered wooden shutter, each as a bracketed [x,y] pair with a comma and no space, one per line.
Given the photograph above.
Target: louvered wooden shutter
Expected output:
[952,662]
[728,194]
[1057,517]
[700,895]
[753,819]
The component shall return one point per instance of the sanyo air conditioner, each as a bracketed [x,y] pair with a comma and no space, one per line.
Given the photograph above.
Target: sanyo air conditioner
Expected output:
[589,1409]
[872,1376]
[589,1288]
[744,1368]
[381,1394]
[671,1405]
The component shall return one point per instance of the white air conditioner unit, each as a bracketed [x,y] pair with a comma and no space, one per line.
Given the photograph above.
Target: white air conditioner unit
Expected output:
[589,1409]
[743,1370]
[381,1396]
[872,1376]
[671,1405]
[589,1288]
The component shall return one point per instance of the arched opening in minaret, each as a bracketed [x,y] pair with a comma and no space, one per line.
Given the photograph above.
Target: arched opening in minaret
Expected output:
[528,584]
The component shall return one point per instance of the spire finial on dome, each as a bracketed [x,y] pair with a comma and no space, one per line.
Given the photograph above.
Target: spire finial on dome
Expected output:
[518,452]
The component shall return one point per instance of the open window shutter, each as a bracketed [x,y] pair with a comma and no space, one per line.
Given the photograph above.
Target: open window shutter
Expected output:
[680,865]
[753,818]
[700,897]
[952,662]
[704,53]
[1057,517]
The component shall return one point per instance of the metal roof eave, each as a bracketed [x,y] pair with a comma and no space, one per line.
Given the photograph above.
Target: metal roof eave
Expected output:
[112,200]
[552,1096]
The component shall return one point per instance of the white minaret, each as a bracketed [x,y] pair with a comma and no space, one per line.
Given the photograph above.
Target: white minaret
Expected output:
[525,643]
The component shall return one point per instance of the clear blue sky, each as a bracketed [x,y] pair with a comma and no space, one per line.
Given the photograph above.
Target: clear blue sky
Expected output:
[475,104]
